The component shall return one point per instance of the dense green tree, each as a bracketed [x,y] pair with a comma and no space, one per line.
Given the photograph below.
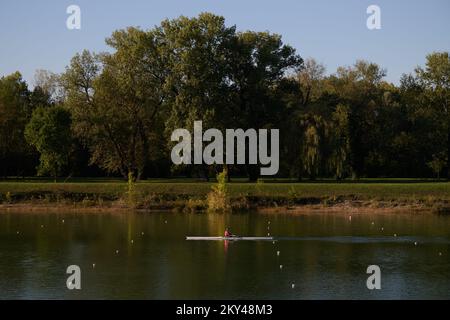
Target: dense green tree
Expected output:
[49,132]
[119,108]
[224,78]
[15,111]
[315,134]
[436,79]
[259,65]
[358,87]
[198,84]
[197,52]
[115,100]
[340,142]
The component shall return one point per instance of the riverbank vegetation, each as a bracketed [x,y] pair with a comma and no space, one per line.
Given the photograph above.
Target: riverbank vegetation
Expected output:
[111,113]
[218,199]
[196,196]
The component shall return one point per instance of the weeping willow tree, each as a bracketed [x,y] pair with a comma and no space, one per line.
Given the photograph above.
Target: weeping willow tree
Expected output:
[311,151]
[314,138]
[340,142]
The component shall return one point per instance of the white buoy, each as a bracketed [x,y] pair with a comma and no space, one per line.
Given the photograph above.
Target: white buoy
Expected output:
[395,234]
[281,266]
[278,253]
[273,242]
[268,222]
[382,229]
[415,243]
[165,222]
[93,265]
[17,232]
[268,234]
[293,285]
[117,251]
[142,233]
[440,253]
[132,241]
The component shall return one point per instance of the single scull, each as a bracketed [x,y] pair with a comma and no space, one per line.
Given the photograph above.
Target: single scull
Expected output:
[230,238]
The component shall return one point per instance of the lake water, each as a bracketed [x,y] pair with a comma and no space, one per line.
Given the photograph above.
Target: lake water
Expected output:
[146,256]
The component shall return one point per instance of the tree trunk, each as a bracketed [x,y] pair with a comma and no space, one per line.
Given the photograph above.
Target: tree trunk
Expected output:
[226,167]
[253,172]
[206,172]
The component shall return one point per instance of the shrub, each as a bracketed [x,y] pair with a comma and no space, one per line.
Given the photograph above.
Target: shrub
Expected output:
[218,198]
[194,205]
[8,197]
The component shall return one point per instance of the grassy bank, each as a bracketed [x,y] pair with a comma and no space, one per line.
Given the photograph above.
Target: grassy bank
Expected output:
[190,195]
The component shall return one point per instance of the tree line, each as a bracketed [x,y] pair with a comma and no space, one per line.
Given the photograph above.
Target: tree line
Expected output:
[112,113]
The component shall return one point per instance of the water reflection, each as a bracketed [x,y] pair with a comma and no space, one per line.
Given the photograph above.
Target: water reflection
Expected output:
[146,256]
[225,246]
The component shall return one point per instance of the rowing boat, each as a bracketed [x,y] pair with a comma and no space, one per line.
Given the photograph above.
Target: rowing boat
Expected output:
[230,238]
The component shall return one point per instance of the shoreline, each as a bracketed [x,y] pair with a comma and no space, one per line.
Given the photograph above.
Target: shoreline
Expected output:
[347,207]
[193,197]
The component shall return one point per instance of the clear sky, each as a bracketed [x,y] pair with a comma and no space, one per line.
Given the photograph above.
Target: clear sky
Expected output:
[33,34]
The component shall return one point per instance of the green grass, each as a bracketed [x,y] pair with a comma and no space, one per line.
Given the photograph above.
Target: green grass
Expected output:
[387,190]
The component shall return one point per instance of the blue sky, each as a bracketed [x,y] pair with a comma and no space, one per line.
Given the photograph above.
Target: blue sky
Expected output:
[33,34]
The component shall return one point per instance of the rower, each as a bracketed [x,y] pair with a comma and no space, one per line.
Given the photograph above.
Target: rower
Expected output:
[228,234]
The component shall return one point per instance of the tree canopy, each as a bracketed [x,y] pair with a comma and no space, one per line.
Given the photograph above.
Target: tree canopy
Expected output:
[115,111]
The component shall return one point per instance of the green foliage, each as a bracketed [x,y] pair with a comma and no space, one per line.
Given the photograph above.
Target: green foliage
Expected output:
[121,107]
[218,199]
[113,99]
[437,164]
[186,69]
[435,79]
[170,193]
[221,186]
[8,197]
[315,133]
[15,111]
[49,132]
[340,142]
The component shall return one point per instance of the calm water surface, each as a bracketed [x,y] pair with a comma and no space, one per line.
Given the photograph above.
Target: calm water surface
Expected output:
[146,256]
